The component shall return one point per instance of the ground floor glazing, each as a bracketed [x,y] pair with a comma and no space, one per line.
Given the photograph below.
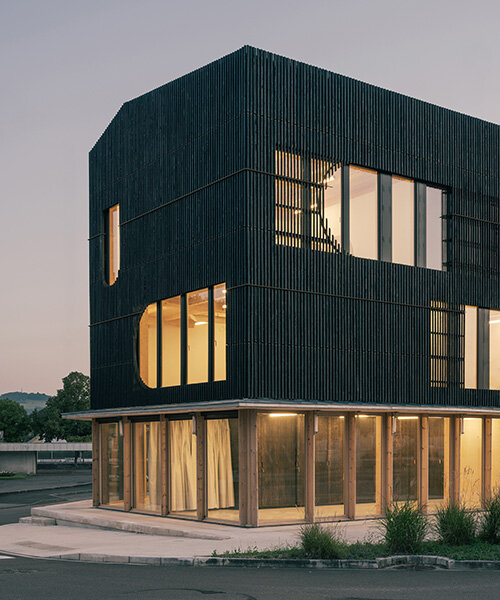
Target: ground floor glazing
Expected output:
[251,467]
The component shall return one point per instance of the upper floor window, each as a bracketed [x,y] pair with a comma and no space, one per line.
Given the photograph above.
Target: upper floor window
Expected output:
[112,243]
[322,205]
[183,339]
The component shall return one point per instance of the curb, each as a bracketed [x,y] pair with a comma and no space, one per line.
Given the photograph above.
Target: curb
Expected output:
[42,489]
[203,561]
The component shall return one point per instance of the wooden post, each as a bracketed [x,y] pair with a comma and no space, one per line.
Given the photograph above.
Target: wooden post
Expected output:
[423,471]
[350,487]
[243,465]
[487,459]
[201,472]
[96,492]
[310,467]
[455,458]
[164,464]
[127,463]
[253,473]
[387,457]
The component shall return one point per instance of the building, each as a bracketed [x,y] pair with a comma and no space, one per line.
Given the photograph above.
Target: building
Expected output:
[295,301]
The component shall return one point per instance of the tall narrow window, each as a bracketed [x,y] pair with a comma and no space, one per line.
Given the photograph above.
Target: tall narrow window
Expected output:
[439,344]
[220,308]
[363,212]
[494,349]
[471,347]
[114,243]
[471,461]
[434,235]
[368,465]
[111,465]
[403,209]
[147,469]
[288,199]
[495,455]
[147,346]
[182,468]
[197,336]
[330,466]
[171,341]
[439,461]
[405,453]
[325,205]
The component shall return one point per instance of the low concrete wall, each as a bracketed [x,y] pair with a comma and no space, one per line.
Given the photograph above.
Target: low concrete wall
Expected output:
[18,462]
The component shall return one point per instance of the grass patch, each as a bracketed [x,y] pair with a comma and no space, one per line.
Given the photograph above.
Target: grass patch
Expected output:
[404,528]
[489,523]
[8,475]
[454,525]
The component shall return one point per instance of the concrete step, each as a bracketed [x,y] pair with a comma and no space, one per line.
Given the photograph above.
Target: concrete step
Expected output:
[41,521]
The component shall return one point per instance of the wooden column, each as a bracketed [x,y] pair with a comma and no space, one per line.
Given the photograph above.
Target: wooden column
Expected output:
[350,479]
[310,467]
[455,458]
[127,463]
[487,460]
[243,465]
[96,478]
[201,472]
[423,460]
[252,473]
[164,464]
[387,455]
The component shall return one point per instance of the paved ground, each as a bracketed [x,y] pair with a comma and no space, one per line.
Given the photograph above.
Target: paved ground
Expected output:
[22,579]
[47,479]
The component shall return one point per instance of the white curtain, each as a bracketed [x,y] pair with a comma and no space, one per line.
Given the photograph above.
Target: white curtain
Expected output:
[153,464]
[182,466]
[220,487]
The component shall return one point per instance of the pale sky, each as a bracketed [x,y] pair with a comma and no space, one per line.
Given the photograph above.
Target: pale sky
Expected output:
[66,66]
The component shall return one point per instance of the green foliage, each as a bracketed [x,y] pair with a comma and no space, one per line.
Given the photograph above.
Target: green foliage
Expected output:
[404,528]
[14,421]
[455,524]
[74,396]
[489,526]
[320,542]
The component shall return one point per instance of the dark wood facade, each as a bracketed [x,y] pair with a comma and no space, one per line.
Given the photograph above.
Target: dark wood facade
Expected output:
[192,165]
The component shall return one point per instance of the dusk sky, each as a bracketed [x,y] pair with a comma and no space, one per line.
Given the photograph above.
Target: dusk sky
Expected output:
[67,66]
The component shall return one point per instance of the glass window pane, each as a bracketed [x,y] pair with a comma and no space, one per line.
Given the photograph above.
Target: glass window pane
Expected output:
[197,336]
[494,349]
[403,222]
[368,465]
[495,455]
[363,212]
[222,469]
[220,310]
[405,459]
[111,465]
[288,199]
[471,462]
[147,467]
[326,218]
[281,467]
[329,466]
[114,243]
[147,346]
[471,347]
[434,235]
[439,461]
[182,454]
[171,341]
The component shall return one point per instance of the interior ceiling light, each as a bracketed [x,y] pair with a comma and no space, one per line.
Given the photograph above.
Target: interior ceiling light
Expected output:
[282,414]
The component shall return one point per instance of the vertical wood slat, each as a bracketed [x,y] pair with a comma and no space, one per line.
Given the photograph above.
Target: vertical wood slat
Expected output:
[423,472]
[387,458]
[127,463]
[164,464]
[455,425]
[350,495]
[201,471]
[487,458]
[310,466]
[96,471]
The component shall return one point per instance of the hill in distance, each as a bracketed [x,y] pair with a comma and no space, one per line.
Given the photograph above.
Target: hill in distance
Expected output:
[30,400]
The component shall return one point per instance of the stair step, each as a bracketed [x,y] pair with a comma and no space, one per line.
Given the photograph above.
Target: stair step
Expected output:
[40,521]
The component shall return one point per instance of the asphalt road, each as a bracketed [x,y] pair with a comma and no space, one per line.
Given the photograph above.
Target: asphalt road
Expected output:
[25,579]
[14,506]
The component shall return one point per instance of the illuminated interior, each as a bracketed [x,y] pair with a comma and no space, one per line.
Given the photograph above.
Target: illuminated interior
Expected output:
[495,455]
[439,461]
[470,347]
[220,310]
[363,212]
[171,341]
[494,349]
[114,243]
[405,459]
[471,461]
[329,469]
[148,346]
[434,235]
[368,465]
[111,465]
[197,336]
[182,467]
[403,221]
[147,470]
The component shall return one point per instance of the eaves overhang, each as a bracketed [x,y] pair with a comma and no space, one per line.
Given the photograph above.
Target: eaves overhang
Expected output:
[269,404]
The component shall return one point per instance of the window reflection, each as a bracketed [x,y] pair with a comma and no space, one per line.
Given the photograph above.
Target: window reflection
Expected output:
[111,461]
[403,222]
[363,212]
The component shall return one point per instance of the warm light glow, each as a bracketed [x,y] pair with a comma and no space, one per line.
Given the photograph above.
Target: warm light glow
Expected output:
[406,418]
[282,414]
[201,323]
[224,306]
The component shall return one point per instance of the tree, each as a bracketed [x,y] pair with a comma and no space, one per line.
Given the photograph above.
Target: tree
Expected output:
[74,396]
[14,421]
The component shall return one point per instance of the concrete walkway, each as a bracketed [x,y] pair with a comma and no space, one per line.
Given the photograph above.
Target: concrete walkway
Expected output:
[80,531]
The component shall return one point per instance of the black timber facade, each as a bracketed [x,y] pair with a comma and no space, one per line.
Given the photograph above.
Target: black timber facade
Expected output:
[192,165]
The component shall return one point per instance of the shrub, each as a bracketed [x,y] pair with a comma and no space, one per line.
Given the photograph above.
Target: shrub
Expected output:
[455,524]
[320,542]
[489,527]
[404,528]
